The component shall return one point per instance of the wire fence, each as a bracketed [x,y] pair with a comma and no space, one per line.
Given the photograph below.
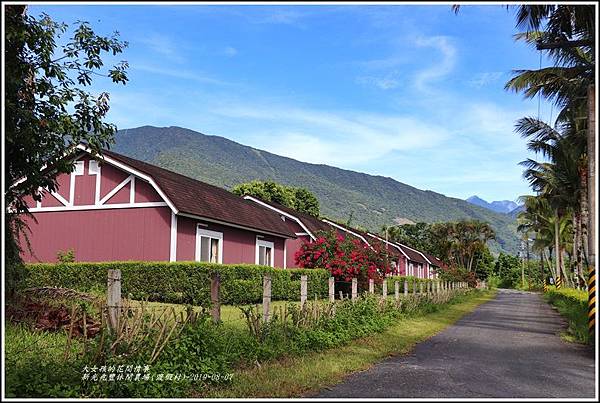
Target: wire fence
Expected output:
[131,320]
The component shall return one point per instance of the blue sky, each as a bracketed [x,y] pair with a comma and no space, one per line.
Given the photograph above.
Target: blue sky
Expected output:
[411,92]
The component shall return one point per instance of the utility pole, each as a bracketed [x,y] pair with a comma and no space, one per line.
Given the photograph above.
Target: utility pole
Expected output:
[528,267]
[521,255]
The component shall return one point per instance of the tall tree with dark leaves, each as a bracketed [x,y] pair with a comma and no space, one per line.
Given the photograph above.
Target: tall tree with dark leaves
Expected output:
[49,106]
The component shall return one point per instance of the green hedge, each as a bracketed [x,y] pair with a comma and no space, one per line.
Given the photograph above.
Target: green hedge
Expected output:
[411,280]
[572,304]
[180,282]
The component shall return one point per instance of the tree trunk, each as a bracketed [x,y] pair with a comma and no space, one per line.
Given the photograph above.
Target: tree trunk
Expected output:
[543,277]
[549,263]
[577,250]
[566,278]
[557,249]
[591,177]
[471,262]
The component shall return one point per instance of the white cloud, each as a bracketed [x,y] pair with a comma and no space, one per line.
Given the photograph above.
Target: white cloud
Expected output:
[388,82]
[162,45]
[283,15]
[439,69]
[342,138]
[180,74]
[230,51]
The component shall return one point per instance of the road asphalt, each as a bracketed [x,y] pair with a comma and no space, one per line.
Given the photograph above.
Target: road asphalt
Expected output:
[508,347]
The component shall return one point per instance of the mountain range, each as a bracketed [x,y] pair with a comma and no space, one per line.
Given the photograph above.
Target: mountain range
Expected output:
[368,201]
[500,206]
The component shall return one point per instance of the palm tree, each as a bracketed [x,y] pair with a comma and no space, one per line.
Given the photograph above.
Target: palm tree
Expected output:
[567,33]
[536,218]
[558,178]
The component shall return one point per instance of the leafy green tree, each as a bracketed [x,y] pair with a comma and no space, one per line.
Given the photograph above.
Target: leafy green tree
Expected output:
[484,263]
[460,242]
[306,201]
[299,199]
[505,263]
[48,110]
[416,236]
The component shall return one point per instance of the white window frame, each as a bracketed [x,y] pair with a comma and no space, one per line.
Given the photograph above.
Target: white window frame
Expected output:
[201,232]
[266,244]
[79,168]
[94,167]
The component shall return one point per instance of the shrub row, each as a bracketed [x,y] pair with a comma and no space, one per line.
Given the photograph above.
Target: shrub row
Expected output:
[411,281]
[573,304]
[207,348]
[180,282]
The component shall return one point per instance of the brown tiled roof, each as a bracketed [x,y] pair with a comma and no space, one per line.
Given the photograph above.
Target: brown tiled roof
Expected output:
[370,239]
[412,254]
[200,199]
[434,260]
[313,224]
[391,249]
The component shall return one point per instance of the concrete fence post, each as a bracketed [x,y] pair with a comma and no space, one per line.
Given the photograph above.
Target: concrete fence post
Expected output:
[414,287]
[396,290]
[303,290]
[371,286]
[421,288]
[215,290]
[331,289]
[113,298]
[384,288]
[405,288]
[354,288]
[266,297]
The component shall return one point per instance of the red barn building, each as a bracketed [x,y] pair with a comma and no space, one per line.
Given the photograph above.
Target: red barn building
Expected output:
[304,226]
[118,208]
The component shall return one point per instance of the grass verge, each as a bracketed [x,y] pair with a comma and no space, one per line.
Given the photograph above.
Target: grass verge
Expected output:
[572,304]
[304,375]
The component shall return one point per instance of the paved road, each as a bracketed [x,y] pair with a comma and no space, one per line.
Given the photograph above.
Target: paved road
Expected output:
[507,347]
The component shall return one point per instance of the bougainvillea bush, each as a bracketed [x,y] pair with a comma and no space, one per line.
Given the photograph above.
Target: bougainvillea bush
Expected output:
[345,258]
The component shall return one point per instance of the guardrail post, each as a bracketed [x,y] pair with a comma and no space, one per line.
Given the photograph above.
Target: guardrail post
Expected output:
[303,290]
[266,297]
[331,289]
[113,298]
[215,285]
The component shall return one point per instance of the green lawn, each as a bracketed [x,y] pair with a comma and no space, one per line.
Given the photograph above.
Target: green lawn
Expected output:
[301,376]
[230,315]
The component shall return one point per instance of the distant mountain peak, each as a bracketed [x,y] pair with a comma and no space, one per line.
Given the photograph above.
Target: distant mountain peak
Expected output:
[499,206]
